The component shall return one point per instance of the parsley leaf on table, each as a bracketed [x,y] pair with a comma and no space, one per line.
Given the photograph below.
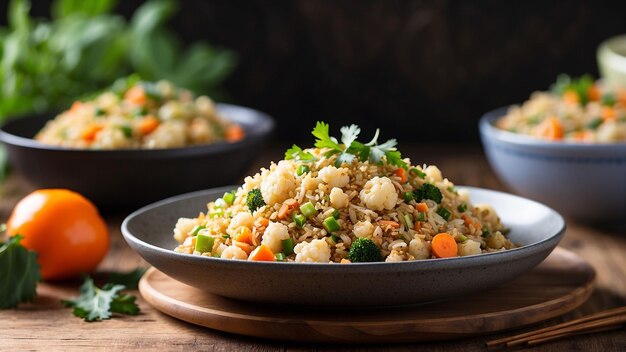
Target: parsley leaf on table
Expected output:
[96,304]
[19,273]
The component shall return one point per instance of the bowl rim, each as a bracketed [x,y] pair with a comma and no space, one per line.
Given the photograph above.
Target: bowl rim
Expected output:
[487,128]
[264,125]
[607,47]
[440,263]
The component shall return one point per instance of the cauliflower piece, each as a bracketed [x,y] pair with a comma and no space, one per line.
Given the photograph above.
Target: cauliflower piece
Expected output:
[316,251]
[338,199]
[379,193]
[496,240]
[488,215]
[183,227]
[433,173]
[334,177]
[394,256]
[468,247]
[234,252]
[277,185]
[419,249]
[240,219]
[363,229]
[309,182]
[273,235]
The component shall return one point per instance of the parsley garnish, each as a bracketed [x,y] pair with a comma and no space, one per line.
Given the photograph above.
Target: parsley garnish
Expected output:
[349,148]
[95,304]
[19,273]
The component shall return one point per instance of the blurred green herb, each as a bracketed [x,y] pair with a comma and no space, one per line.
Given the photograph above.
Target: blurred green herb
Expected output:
[95,304]
[580,86]
[46,64]
[19,273]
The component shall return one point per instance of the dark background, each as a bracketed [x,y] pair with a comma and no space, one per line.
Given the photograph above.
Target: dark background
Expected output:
[420,70]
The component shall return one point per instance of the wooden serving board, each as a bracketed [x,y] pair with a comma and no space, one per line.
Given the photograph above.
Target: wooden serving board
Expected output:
[558,285]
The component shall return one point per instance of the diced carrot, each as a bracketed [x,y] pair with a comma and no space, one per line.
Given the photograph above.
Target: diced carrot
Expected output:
[401,172]
[594,93]
[443,245]
[608,113]
[89,135]
[262,253]
[345,261]
[386,223]
[244,246]
[467,220]
[422,207]
[245,235]
[148,124]
[234,133]
[571,97]
[583,136]
[136,95]
[76,106]
[288,206]
[264,222]
[417,226]
[550,128]
[621,96]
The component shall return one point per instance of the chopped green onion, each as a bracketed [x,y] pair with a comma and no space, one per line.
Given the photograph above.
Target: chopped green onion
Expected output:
[288,246]
[452,189]
[408,220]
[486,233]
[462,208]
[229,198]
[461,238]
[608,99]
[197,229]
[280,257]
[99,112]
[534,120]
[226,236]
[335,238]
[219,203]
[302,169]
[408,196]
[336,214]
[331,224]
[215,255]
[217,213]
[595,123]
[444,213]
[127,131]
[308,209]
[421,216]
[204,243]
[140,111]
[300,220]
[417,172]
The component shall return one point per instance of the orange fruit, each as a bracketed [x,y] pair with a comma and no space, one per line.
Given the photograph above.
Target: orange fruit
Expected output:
[64,228]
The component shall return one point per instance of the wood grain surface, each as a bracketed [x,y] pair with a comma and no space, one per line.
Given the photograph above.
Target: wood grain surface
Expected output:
[46,325]
[558,285]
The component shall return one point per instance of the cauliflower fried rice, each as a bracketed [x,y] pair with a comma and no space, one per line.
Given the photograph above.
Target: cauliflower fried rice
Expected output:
[316,208]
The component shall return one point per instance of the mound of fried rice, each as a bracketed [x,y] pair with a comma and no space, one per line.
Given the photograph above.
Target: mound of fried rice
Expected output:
[367,199]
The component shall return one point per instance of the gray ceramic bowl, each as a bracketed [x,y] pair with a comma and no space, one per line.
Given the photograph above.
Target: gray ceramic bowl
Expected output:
[611,57]
[537,227]
[586,181]
[135,177]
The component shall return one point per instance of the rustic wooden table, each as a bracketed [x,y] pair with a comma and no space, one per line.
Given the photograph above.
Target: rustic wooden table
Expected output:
[47,325]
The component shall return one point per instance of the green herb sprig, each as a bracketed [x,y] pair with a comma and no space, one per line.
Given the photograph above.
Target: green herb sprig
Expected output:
[349,148]
[19,273]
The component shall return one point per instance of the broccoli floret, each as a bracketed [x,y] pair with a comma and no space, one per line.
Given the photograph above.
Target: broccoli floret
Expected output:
[428,191]
[364,250]
[254,200]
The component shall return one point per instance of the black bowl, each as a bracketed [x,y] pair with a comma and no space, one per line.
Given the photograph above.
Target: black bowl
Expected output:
[131,177]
